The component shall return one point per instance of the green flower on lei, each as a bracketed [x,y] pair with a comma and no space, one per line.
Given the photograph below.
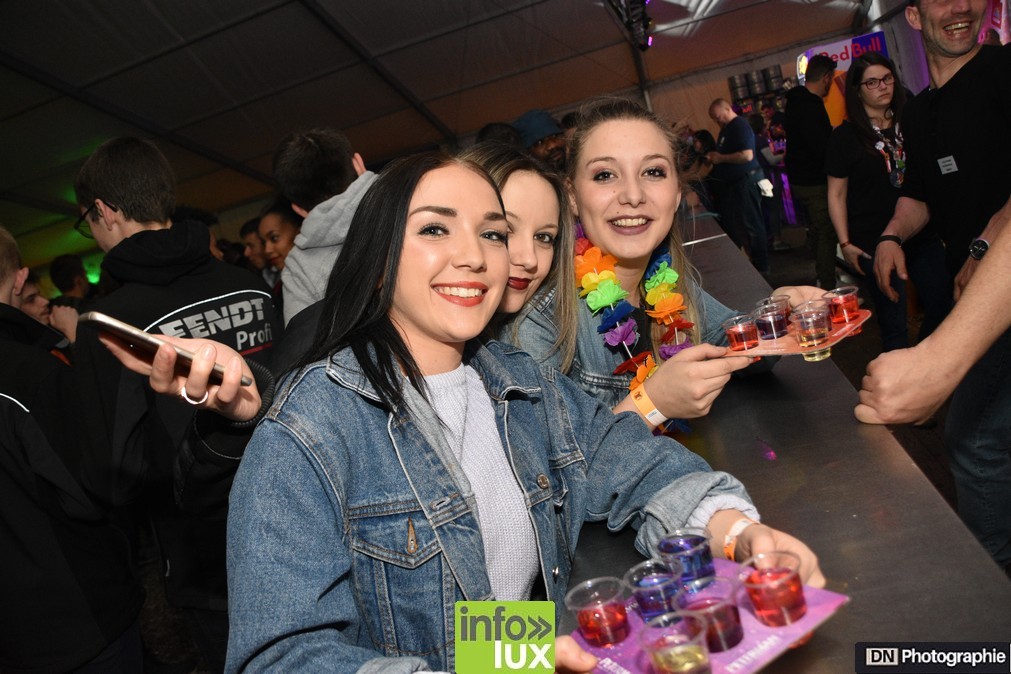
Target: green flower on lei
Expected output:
[607,293]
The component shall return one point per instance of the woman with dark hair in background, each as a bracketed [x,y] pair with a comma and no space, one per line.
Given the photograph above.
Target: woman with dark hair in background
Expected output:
[866,165]
[696,175]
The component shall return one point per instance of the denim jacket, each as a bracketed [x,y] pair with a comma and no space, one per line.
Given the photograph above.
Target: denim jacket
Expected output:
[350,538]
[595,361]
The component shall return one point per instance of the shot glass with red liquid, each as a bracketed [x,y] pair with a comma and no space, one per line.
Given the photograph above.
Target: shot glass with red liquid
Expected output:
[741,332]
[599,605]
[843,304]
[716,599]
[653,584]
[676,643]
[772,583]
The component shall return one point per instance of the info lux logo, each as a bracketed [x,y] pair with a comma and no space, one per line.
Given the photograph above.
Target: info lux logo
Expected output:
[503,636]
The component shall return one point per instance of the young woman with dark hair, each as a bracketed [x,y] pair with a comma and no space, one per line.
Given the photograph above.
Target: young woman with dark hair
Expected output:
[866,164]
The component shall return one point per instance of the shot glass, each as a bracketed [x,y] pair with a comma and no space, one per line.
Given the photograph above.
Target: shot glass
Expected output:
[676,643]
[772,583]
[777,301]
[599,605]
[653,584]
[688,547]
[716,599]
[741,332]
[812,327]
[842,302]
[770,321]
[818,305]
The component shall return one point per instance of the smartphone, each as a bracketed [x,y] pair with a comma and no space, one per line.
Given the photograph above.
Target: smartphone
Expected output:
[145,341]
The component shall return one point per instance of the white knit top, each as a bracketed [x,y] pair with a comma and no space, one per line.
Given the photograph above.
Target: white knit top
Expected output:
[468,418]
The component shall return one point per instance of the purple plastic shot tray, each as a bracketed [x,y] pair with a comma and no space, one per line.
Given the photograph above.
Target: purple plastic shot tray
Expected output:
[760,646]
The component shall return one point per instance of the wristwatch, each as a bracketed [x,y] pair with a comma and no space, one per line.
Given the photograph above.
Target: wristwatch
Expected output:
[978,248]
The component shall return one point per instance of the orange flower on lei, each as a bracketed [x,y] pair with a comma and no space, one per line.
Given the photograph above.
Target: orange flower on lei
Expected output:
[593,261]
[668,308]
[642,372]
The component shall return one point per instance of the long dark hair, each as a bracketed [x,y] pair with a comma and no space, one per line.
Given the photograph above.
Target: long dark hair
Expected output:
[359,294]
[855,106]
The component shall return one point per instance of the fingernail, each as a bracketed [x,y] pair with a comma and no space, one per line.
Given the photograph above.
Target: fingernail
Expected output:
[207,351]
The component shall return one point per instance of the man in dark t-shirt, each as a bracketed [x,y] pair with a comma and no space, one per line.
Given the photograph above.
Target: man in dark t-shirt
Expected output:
[958,139]
[807,132]
[734,181]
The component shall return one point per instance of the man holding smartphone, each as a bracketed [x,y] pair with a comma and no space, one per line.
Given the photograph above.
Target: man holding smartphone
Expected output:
[168,284]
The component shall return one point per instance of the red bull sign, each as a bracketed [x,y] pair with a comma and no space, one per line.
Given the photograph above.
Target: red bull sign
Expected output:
[842,52]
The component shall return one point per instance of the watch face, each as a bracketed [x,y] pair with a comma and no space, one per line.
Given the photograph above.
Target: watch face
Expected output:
[977,248]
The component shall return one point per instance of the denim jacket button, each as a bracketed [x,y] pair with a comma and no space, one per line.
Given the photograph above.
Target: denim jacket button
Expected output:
[543,482]
[554,573]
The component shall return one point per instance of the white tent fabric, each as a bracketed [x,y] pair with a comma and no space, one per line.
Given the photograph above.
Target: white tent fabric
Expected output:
[217,84]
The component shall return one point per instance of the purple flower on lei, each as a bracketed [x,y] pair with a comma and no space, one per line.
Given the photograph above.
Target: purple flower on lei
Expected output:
[580,234]
[668,350]
[625,333]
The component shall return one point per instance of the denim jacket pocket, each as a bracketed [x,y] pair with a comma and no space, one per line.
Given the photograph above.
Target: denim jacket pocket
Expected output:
[395,533]
[396,565]
[609,388]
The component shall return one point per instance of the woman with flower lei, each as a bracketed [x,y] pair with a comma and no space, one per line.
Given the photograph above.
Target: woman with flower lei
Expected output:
[648,338]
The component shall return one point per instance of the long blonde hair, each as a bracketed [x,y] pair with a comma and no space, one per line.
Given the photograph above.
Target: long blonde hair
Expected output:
[501,161]
[594,113]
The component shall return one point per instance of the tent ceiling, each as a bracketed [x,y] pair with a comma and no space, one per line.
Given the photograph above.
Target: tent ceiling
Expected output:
[217,84]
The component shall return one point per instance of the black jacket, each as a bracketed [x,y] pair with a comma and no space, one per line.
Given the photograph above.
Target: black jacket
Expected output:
[170,284]
[67,586]
[808,129]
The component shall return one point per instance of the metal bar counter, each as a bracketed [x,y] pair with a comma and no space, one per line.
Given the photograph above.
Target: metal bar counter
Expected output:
[882,533]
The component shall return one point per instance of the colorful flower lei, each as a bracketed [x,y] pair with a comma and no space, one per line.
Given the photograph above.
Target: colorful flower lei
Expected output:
[601,288]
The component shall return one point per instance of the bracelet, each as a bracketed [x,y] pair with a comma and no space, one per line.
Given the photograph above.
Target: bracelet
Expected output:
[730,540]
[844,244]
[646,407]
[890,237]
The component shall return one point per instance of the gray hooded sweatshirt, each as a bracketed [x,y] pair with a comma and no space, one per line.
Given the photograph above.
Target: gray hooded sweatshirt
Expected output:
[307,267]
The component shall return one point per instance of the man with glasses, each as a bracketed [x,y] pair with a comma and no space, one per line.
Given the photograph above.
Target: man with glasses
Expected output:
[169,283]
[958,177]
[808,129]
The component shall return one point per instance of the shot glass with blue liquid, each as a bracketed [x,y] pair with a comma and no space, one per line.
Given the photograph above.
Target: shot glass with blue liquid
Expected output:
[688,547]
[653,584]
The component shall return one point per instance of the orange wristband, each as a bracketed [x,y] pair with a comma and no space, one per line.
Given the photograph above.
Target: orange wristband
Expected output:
[646,407]
[730,540]
[845,244]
